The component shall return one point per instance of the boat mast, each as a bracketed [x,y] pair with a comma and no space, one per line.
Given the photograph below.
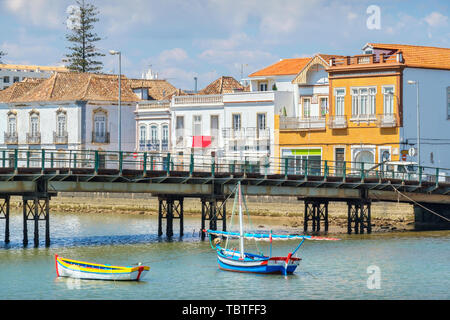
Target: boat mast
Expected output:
[241,226]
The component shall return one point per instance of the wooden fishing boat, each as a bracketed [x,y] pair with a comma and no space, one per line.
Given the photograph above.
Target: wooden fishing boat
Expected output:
[94,271]
[241,261]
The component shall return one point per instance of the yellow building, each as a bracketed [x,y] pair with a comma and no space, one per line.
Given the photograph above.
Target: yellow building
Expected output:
[349,109]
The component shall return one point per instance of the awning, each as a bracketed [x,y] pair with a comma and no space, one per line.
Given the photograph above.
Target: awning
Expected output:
[201,141]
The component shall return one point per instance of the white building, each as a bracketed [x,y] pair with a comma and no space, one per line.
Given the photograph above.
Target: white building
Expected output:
[66,113]
[11,73]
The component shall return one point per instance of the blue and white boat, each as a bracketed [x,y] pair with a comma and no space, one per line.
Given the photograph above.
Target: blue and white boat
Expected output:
[241,261]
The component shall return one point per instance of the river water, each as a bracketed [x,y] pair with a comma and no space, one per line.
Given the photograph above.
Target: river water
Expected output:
[406,265]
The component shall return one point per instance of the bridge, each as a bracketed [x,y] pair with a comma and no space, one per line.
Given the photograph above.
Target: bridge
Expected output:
[39,175]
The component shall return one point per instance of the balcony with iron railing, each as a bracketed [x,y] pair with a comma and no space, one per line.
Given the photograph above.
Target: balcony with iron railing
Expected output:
[337,122]
[366,59]
[302,124]
[60,137]
[34,138]
[246,139]
[100,137]
[11,138]
[197,100]
[387,120]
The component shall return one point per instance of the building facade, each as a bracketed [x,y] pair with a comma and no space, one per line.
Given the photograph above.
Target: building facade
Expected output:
[10,73]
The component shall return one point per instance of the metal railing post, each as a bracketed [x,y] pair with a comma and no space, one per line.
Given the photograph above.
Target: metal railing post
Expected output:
[325,173]
[28,158]
[120,161]
[286,162]
[362,170]
[168,163]
[42,159]
[96,161]
[145,163]
[16,156]
[191,165]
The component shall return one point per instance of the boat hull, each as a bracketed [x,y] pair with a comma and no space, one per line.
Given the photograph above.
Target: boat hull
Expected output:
[90,271]
[257,264]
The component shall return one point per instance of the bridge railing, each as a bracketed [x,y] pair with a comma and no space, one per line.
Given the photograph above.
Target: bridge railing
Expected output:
[217,164]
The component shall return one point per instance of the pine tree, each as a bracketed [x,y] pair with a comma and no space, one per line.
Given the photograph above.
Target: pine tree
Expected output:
[83,53]
[2,54]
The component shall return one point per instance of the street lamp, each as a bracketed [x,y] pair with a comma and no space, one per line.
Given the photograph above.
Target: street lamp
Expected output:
[113,52]
[415,82]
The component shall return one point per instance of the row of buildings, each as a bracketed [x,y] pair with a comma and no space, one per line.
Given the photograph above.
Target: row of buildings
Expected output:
[364,108]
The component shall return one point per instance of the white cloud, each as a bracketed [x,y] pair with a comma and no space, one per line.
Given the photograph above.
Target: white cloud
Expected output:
[44,13]
[436,19]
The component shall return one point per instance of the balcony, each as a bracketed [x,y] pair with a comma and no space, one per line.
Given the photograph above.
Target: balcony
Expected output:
[366,59]
[387,120]
[11,138]
[303,124]
[198,100]
[60,137]
[149,145]
[337,122]
[34,138]
[100,137]
[363,118]
[248,139]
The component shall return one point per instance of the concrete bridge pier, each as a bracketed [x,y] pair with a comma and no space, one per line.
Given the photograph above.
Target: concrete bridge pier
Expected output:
[4,214]
[170,208]
[36,208]
[316,210]
[213,209]
[438,219]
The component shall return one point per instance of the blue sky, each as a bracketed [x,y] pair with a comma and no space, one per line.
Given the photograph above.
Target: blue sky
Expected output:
[211,38]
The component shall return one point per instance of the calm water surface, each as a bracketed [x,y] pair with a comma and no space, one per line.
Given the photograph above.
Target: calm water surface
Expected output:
[412,265]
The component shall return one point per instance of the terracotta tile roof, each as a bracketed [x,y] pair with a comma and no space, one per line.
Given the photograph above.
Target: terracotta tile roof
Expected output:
[18,89]
[32,68]
[158,89]
[420,56]
[68,86]
[222,85]
[283,67]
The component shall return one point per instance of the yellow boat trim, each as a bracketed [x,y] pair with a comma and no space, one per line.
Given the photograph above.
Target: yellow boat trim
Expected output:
[120,269]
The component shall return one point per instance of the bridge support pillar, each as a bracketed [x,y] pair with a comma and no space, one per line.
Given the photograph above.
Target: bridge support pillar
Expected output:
[170,208]
[438,219]
[315,211]
[213,209]
[36,209]
[359,217]
[4,214]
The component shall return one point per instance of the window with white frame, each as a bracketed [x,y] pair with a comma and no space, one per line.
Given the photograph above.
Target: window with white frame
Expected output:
[154,134]
[388,99]
[197,125]
[61,124]
[142,134]
[34,124]
[263,86]
[363,101]
[339,94]
[236,121]
[306,107]
[165,133]
[12,124]
[100,124]
[323,102]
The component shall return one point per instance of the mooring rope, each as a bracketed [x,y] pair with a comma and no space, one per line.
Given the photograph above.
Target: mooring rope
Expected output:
[435,213]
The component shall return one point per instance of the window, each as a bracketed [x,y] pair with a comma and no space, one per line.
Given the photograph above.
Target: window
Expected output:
[261,121]
[165,137]
[388,100]
[100,125]
[15,79]
[142,134]
[5,79]
[179,129]
[236,122]
[323,103]
[12,124]
[214,127]
[61,124]
[154,134]
[448,103]
[339,158]
[34,125]
[340,102]
[306,107]
[197,125]
[363,101]
[263,86]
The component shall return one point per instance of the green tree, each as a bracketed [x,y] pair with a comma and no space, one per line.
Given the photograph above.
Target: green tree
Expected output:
[83,56]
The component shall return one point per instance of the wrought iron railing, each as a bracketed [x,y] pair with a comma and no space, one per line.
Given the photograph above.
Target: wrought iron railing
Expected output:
[285,167]
[11,138]
[60,137]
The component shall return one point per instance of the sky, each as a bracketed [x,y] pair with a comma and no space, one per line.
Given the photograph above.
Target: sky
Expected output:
[207,39]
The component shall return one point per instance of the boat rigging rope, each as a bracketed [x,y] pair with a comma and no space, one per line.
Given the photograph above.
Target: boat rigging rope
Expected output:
[404,195]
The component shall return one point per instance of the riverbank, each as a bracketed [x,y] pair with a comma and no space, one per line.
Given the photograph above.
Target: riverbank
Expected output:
[286,213]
